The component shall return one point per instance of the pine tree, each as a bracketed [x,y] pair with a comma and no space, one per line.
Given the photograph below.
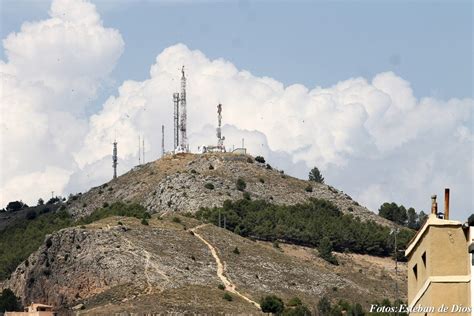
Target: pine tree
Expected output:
[315,175]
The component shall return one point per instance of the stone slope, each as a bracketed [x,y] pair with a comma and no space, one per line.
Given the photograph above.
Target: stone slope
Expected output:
[113,267]
[176,183]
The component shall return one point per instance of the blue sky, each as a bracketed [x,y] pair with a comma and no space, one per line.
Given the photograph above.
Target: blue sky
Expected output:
[402,133]
[316,43]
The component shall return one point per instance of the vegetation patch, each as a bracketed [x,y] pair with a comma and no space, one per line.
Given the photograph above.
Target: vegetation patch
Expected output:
[19,240]
[306,224]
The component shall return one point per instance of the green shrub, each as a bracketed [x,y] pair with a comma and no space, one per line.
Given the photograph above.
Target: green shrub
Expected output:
[261,180]
[300,310]
[246,196]
[105,204]
[211,167]
[272,304]
[193,171]
[269,167]
[144,221]
[30,215]
[260,159]
[221,286]
[309,188]
[228,297]
[324,306]
[9,302]
[325,251]
[176,219]
[295,301]
[236,251]
[120,223]
[240,184]
[209,186]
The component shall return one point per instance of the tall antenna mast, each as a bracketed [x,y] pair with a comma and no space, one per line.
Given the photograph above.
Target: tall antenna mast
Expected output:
[162,140]
[184,138]
[139,151]
[114,159]
[176,120]
[220,138]
[143,149]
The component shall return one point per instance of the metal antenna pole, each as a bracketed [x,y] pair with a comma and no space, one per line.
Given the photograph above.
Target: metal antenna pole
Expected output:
[139,151]
[114,159]
[162,140]
[143,148]
[184,138]
[176,120]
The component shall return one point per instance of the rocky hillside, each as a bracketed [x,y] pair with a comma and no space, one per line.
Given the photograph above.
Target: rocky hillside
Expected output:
[119,265]
[181,183]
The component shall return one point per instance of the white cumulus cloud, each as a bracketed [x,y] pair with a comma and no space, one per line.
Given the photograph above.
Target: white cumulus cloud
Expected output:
[389,144]
[53,70]
[371,137]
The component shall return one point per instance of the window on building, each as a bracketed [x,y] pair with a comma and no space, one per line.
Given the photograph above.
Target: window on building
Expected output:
[423,258]
[415,271]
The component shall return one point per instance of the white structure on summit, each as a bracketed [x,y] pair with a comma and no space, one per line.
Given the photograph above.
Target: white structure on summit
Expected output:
[180,116]
[220,139]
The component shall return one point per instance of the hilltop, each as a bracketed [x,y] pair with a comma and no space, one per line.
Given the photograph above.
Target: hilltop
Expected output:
[177,183]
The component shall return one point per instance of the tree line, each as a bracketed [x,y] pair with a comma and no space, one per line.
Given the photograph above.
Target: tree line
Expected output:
[306,224]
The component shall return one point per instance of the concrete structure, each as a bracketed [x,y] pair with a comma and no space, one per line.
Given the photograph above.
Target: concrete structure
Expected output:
[440,266]
[35,310]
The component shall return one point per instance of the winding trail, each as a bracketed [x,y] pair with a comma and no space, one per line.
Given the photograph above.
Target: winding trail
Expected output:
[149,264]
[229,286]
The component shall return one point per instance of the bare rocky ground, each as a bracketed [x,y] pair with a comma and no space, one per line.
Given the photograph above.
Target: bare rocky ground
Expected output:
[129,268]
[176,183]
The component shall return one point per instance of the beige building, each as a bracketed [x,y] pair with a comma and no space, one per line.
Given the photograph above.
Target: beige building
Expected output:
[34,310]
[440,266]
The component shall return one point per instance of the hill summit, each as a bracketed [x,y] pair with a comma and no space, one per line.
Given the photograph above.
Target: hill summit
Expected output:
[184,183]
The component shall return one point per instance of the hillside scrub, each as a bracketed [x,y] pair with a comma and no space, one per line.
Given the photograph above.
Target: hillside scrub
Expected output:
[116,209]
[19,240]
[306,224]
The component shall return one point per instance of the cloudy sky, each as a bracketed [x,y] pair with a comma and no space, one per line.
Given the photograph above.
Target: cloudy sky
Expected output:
[378,95]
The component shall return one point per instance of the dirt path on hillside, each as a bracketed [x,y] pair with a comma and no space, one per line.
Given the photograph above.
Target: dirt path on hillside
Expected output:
[149,265]
[229,286]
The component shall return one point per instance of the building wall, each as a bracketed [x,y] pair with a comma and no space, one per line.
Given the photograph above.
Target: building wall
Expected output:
[445,273]
[436,295]
[448,251]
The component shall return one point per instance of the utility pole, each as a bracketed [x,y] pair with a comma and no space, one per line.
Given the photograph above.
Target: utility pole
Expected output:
[396,267]
[139,151]
[162,140]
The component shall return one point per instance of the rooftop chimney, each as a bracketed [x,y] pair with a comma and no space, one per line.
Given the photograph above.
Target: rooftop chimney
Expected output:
[446,203]
[434,205]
